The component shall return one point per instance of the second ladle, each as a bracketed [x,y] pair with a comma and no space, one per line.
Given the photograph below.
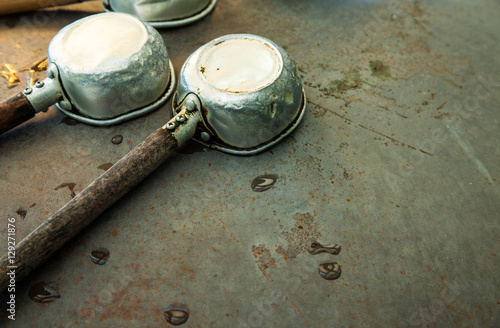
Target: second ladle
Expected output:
[158,13]
[219,112]
[104,69]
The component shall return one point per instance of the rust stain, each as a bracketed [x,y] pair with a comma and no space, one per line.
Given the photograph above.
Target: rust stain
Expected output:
[185,270]
[264,259]
[296,310]
[300,238]
[268,277]
[442,105]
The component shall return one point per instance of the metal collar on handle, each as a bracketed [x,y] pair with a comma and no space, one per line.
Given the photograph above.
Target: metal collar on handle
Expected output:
[45,92]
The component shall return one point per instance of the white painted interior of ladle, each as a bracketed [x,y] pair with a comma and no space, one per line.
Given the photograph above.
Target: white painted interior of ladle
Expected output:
[240,65]
[99,43]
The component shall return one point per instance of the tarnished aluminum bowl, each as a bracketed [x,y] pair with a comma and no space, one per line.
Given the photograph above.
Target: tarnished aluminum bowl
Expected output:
[163,13]
[112,67]
[249,90]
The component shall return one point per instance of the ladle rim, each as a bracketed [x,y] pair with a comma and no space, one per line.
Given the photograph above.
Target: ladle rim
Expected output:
[178,22]
[132,113]
[263,146]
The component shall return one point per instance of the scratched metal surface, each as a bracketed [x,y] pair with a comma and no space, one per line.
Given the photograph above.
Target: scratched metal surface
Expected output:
[396,160]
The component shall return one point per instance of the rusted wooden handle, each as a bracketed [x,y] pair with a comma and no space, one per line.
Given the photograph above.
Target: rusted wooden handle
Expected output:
[44,241]
[18,6]
[14,111]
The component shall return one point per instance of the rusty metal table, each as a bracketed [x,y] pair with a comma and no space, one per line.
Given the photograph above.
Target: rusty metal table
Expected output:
[397,160]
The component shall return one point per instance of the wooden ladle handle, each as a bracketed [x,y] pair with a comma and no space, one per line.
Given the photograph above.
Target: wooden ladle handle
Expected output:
[14,111]
[56,231]
[18,6]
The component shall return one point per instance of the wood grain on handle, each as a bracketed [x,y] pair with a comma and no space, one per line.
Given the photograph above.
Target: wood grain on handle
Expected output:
[14,111]
[44,241]
[18,6]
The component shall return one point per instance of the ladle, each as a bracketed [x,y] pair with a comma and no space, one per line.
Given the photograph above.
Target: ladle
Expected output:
[104,69]
[166,13]
[231,102]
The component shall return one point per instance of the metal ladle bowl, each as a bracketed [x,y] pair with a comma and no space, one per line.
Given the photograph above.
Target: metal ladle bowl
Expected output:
[248,90]
[159,13]
[104,69]
[112,67]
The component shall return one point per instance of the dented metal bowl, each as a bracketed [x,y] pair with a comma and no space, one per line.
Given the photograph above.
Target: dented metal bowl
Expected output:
[163,13]
[249,91]
[106,68]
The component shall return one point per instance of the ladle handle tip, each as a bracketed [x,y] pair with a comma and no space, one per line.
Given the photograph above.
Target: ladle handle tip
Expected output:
[14,111]
[78,213]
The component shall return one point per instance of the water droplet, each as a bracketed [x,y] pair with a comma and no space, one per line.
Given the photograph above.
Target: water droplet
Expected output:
[99,256]
[176,315]
[70,186]
[264,182]
[117,139]
[43,292]
[22,213]
[317,248]
[105,166]
[330,271]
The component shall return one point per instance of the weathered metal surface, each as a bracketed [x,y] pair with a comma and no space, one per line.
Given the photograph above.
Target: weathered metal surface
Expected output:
[396,161]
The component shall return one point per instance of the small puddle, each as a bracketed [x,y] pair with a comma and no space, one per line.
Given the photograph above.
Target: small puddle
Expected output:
[100,255]
[264,182]
[22,213]
[329,271]
[43,292]
[176,315]
[317,248]
[117,139]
